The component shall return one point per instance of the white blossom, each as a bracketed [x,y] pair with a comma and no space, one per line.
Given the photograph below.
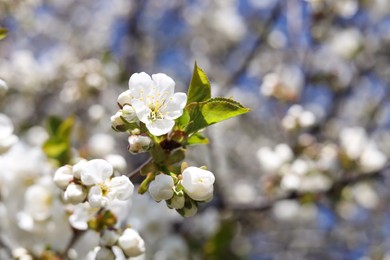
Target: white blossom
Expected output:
[139,143]
[161,188]
[198,183]
[154,101]
[81,214]
[97,173]
[131,243]
[75,193]
[353,140]
[372,159]
[272,160]
[63,176]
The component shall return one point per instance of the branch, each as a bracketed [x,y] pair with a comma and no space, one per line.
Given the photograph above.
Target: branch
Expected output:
[5,246]
[132,174]
[251,54]
[77,234]
[335,189]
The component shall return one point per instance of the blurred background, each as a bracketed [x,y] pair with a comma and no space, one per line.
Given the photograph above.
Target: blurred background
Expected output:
[304,175]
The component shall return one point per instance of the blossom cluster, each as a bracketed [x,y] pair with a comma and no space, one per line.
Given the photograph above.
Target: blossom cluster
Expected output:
[92,181]
[184,191]
[148,110]
[93,190]
[316,166]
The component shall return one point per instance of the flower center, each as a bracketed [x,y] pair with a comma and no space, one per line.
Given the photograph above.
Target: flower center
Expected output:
[105,188]
[156,113]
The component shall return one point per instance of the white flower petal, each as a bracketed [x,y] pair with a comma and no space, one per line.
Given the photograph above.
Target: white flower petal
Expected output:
[160,126]
[121,187]
[96,171]
[96,198]
[164,84]
[175,106]
[140,83]
[142,110]
[131,243]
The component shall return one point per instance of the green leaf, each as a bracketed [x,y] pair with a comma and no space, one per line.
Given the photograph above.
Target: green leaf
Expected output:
[212,111]
[197,138]
[58,147]
[53,124]
[3,33]
[65,129]
[54,149]
[182,121]
[200,89]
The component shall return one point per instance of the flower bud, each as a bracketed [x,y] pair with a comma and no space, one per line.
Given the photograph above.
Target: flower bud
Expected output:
[129,114]
[176,202]
[131,243]
[190,208]
[75,193]
[63,176]
[139,144]
[198,183]
[124,98]
[108,237]
[117,122]
[78,167]
[161,187]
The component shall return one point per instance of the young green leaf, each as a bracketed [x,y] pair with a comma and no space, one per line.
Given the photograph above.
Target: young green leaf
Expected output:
[182,121]
[212,111]
[58,147]
[197,138]
[200,89]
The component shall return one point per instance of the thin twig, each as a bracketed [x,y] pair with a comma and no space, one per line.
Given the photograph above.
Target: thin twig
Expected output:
[134,172]
[77,234]
[252,53]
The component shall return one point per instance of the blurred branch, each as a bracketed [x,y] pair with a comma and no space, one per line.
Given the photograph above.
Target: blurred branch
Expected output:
[136,35]
[5,247]
[257,44]
[133,174]
[334,190]
[77,234]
